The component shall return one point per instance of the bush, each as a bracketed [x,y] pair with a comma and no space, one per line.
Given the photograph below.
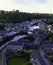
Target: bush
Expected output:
[1,26]
[51,57]
[48,36]
[49,22]
[31,37]
[22,32]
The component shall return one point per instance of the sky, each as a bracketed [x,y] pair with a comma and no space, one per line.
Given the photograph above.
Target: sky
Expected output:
[32,6]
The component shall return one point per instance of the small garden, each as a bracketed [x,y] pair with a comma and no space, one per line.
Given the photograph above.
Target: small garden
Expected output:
[18,58]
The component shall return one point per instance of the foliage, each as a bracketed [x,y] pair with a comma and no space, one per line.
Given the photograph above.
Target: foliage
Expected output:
[1,26]
[31,37]
[48,36]
[15,16]
[22,32]
[19,58]
[50,21]
[51,57]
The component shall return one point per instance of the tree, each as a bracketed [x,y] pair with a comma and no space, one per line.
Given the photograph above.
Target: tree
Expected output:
[31,37]
[15,16]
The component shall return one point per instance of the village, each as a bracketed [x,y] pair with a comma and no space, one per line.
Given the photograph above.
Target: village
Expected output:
[26,37]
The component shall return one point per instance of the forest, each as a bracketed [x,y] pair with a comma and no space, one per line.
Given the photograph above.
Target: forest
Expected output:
[16,16]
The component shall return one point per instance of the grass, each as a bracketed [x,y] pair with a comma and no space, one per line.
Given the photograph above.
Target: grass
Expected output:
[17,61]
[20,58]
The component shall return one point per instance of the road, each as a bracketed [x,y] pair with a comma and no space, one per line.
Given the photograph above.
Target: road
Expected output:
[41,54]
